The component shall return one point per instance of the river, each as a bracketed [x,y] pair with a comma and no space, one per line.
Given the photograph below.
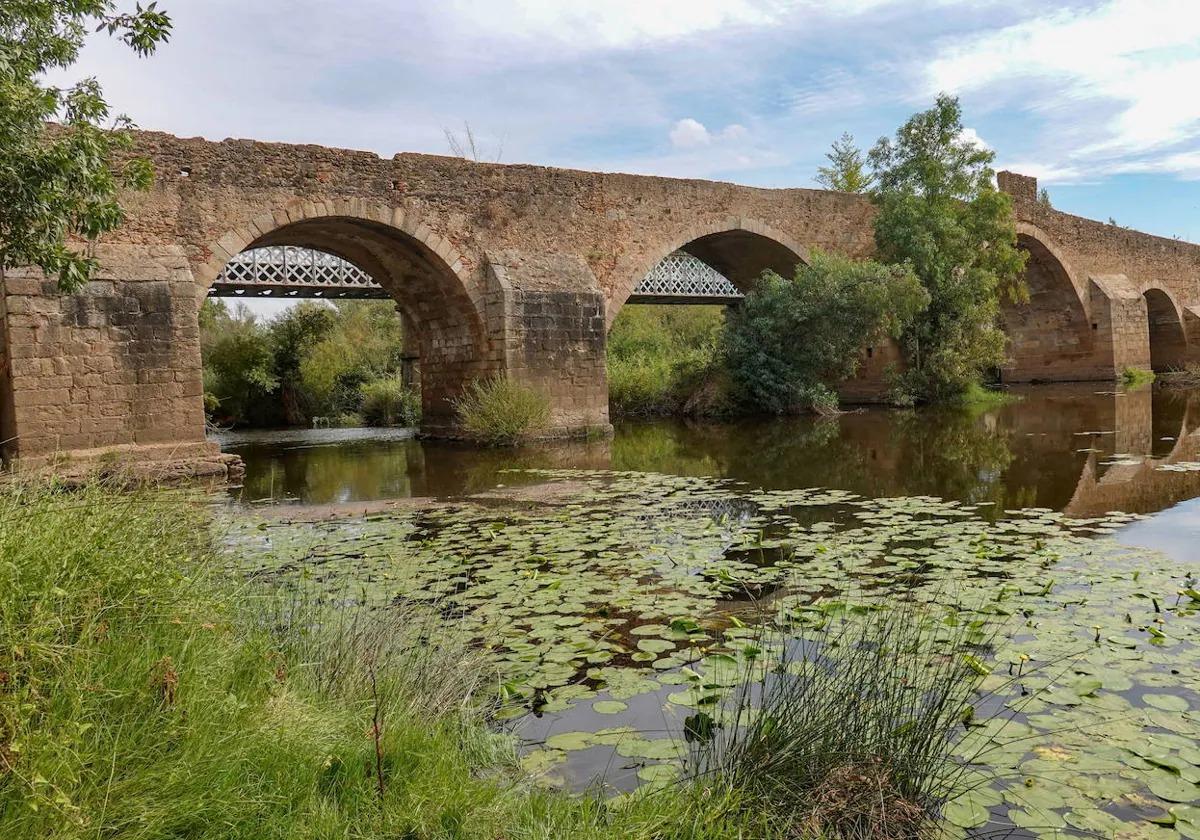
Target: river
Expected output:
[605,575]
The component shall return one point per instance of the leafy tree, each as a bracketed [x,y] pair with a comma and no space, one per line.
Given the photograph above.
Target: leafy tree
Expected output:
[312,360]
[239,365]
[1044,198]
[847,170]
[365,343]
[793,339]
[293,334]
[940,213]
[58,184]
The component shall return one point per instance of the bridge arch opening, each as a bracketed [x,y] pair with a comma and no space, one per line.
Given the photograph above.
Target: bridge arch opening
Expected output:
[444,344]
[1165,333]
[1050,338]
[667,318]
[737,252]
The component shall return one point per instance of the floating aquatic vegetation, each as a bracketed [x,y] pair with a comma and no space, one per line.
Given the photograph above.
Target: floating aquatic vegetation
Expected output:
[638,594]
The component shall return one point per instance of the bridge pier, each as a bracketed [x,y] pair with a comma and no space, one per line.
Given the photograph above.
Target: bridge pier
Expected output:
[110,374]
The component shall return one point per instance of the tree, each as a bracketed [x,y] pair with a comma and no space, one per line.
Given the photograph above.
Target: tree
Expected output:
[794,339]
[940,213]
[293,334]
[847,170]
[239,365]
[1044,198]
[61,182]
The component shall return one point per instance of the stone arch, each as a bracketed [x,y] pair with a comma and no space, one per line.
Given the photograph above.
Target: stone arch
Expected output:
[739,248]
[1164,330]
[436,289]
[1050,336]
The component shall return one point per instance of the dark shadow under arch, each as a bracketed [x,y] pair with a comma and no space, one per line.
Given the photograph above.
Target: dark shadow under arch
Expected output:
[1165,334]
[1049,336]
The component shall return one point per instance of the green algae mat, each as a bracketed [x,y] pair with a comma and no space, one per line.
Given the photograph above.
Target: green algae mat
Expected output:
[621,611]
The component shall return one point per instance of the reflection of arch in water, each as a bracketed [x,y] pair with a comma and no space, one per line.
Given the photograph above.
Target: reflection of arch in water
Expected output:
[1050,337]
[1140,487]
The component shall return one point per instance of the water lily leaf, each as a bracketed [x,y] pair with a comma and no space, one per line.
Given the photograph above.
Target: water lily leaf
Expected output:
[966,812]
[1172,788]
[1166,702]
[570,741]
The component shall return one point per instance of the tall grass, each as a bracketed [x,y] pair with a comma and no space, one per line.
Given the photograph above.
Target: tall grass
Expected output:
[387,402]
[144,694]
[852,733]
[501,412]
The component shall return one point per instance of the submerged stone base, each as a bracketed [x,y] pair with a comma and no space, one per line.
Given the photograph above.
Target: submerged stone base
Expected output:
[173,464]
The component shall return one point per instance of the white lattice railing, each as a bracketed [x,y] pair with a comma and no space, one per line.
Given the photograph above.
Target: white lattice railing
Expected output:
[292,271]
[681,275]
[289,267]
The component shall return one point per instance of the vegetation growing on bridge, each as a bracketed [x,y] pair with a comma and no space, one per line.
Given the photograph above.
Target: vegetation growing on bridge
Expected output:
[948,255]
[794,339]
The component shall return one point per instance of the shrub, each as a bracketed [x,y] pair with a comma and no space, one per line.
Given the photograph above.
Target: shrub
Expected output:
[500,412]
[660,356]
[1135,377]
[387,402]
[794,339]
[853,730]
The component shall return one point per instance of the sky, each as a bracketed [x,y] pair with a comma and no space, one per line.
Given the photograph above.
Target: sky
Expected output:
[1097,98]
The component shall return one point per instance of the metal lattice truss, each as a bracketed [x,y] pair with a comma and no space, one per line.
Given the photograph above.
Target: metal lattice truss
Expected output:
[292,272]
[682,278]
[289,271]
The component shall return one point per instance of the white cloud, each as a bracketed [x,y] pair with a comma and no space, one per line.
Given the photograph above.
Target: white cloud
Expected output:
[1135,54]
[689,133]
[971,136]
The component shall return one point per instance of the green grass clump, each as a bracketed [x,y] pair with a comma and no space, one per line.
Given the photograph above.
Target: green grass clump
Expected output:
[853,732]
[977,397]
[501,412]
[146,694]
[1135,377]
[387,402]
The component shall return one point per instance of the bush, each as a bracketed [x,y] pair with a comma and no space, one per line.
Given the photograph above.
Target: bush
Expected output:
[500,412]
[794,339]
[659,357]
[1135,377]
[387,402]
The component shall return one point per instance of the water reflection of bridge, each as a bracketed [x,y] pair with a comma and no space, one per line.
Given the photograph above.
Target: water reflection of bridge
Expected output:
[1149,432]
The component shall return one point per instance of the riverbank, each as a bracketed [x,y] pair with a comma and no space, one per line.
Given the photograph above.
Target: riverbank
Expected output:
[143,692]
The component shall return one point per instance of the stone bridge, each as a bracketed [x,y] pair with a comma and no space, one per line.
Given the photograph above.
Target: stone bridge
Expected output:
[500,269]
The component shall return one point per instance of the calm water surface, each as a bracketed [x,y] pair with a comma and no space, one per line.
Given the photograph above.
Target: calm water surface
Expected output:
[1080,450]
[1077,449]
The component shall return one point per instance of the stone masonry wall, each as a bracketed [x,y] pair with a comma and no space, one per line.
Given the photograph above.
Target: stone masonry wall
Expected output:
[503,269]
